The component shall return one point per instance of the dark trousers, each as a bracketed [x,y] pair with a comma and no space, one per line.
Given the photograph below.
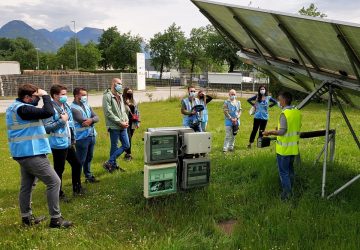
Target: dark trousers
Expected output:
[130,132]
[257,123]
[68,154]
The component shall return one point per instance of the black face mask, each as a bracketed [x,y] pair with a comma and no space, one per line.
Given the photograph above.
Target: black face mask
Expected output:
[201,96]
[129,95]
[35,102]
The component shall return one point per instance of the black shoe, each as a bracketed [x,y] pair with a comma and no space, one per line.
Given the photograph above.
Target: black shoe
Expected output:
[79,191]
[63,197]
[127,157]
[249,145]
[60,223]
[108,166]
[32,220]
[91,179]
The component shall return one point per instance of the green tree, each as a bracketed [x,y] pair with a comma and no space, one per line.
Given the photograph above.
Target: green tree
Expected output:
[312,10]
[105,41]
[123,51]
[89,56]
[166,48]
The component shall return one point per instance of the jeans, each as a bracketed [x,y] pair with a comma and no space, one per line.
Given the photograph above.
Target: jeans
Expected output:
[68,154]
[38,167]
[85,153]
[115,136]
[286,172]
[203,126]
[130,132]
[257,123]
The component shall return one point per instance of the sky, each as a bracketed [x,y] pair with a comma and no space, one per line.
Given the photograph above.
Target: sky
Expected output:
[147,17]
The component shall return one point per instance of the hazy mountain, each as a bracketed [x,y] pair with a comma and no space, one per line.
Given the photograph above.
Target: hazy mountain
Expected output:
[48,40]
[17,28]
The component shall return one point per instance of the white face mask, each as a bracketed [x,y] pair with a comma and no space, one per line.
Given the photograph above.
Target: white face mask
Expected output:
[262,91]
[233,97]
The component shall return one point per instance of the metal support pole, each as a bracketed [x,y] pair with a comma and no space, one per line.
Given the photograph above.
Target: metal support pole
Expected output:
[345,186]
[326,142]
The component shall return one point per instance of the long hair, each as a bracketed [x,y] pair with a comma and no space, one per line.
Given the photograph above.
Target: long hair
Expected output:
[125,97]
[259,96]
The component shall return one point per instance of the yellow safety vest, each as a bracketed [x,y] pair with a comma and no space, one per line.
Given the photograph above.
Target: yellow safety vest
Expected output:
[288,144]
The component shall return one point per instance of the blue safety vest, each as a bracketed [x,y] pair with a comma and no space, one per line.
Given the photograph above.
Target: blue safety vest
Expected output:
[83,132]
[26,137]
[187,119]
[233,112]
[262,109]
[61,138]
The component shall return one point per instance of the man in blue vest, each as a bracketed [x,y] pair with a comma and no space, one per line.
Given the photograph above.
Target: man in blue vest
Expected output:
[85,133]
[287,142]
[62,139]
[29,146]
[191,118]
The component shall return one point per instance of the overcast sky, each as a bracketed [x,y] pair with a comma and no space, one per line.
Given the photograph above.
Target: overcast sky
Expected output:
[147,17]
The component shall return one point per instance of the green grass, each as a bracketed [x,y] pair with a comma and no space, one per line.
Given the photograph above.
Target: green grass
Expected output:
[244,186]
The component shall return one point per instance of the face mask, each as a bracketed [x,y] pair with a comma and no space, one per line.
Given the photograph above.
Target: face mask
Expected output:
[262,91]
[36,101]
[118,88]
[192,94]
[201,96]
[233,97]
[129,95]
[63,99]
[83,99]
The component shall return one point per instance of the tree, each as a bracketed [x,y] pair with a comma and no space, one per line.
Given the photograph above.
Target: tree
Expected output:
[89,56]
[195,48]
[312,10]
[19,49]
[105,41]
[166,48]
[220,51]
[123,51]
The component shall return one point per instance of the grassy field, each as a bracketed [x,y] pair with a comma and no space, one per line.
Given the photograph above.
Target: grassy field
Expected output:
[244,187]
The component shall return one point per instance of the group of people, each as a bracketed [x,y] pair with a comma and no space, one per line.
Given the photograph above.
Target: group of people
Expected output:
[287,132]
[67,131]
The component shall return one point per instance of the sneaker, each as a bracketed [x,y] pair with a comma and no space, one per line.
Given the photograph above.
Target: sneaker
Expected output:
[108,166]
[60,223]
[32,220]
[91,179]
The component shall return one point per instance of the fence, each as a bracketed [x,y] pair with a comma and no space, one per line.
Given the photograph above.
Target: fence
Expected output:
[93,82]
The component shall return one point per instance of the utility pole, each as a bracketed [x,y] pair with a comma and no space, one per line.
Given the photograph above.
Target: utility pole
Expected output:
[76,55]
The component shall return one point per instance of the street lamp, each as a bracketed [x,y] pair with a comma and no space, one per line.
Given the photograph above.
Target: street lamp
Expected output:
[76,56]
[37,56]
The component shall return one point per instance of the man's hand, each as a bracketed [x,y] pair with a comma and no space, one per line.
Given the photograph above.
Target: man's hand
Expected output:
[40,93]
[64,117]
[87,122]
[124,124]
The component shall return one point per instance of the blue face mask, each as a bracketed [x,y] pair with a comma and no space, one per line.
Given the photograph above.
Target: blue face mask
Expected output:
[83,99]
[63,99]
[233,97]
[118,88]
[192,94]
[36,101]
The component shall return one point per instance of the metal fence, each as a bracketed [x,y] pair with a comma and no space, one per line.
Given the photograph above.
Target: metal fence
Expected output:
[94,82]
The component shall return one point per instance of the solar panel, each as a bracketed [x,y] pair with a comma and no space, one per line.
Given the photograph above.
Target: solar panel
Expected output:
[283,44]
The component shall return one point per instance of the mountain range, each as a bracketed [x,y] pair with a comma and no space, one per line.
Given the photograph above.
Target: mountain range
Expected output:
[45,40]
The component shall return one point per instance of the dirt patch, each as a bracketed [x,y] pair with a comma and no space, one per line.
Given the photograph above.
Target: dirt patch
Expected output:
[227,226]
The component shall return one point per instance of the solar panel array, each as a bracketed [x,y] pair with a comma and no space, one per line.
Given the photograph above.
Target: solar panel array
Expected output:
[298,51]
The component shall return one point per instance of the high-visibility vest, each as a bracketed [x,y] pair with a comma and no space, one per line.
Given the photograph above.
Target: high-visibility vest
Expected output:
[83,132]
[60,138]
[204,114]
[187,119]
[26,137]
[288,144]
